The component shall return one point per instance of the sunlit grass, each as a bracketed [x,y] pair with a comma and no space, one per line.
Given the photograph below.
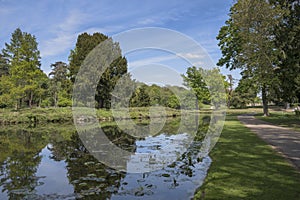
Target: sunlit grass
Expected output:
[245,167]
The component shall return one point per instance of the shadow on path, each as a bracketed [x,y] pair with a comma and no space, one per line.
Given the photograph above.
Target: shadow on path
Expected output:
[284,140]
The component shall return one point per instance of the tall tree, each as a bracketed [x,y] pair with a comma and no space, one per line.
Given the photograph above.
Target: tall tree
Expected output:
[60,84]
[288,40]
[4,67]
[84,45]
[23,59]
[245,93]
[247,42]
[194,80]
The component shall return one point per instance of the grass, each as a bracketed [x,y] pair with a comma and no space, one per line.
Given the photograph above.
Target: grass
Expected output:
[61,115]
[245,167]
[236,112]
[35,115]
[284,119]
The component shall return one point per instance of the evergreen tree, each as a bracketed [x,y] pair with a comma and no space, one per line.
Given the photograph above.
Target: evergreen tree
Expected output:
[84,45]
[60,84]
[23,59]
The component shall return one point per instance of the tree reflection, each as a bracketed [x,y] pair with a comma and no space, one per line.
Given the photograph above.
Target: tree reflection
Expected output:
[21,156]
[20,163]
[90,178]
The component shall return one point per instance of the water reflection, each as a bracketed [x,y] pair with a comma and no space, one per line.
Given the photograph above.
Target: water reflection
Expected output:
[52,163]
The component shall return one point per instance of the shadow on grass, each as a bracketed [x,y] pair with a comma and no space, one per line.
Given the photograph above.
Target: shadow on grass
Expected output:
[245,167]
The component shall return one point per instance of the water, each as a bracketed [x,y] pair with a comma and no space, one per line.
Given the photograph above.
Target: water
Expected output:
[51,162]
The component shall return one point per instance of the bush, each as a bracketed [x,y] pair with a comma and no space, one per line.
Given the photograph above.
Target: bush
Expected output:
[46,103]
[64,102]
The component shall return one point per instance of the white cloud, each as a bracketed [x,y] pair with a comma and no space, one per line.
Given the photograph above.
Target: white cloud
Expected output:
[146,61]
[58,45]
[191,55]
[64,35]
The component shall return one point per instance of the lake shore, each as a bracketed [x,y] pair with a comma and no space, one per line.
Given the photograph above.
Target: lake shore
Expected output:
[62,115]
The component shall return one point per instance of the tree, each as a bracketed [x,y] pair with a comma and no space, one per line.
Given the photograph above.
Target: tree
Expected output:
[288,40]
[245,93]
[23,59]
[60,83]
[194,80]
[4,67]
[155,94]
[84,45]
[247,41]
[140,98]
[108,80]
[173,102]
[217,85]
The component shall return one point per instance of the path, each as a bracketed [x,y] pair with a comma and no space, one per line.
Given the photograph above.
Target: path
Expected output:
[284,140]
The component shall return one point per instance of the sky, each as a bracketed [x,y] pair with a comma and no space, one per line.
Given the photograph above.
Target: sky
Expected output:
[57,23]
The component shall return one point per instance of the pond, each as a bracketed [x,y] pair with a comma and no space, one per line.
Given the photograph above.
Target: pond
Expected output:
[52,162]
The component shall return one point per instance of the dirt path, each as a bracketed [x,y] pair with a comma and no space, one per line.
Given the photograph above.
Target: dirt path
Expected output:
[284,140]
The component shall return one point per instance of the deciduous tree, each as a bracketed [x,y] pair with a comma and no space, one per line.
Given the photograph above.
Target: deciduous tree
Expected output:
[247,41]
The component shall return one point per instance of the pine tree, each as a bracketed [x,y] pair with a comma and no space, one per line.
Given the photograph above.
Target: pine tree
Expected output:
[23,59]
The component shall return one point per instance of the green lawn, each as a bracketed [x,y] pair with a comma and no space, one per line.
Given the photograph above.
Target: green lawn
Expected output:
[245,167]
[284,119]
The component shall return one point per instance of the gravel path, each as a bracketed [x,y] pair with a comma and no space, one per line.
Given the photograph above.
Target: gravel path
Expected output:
[284,140]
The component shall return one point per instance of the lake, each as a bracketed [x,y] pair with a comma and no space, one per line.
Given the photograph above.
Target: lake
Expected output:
[51,162]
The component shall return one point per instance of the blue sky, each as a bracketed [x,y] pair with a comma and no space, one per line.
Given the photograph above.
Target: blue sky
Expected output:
[57,23]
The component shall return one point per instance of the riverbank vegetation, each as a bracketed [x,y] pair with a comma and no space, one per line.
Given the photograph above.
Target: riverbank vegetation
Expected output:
[61,115]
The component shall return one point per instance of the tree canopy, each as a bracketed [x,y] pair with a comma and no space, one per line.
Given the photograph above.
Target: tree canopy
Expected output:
[22,76]
[248,42]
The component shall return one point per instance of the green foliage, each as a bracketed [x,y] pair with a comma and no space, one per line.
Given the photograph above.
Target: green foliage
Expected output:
[288,41]
[60,84]
[64,102]
[208,85]
[25,80]
[84,45]
[245,93]
[4,66]
[140,97]
[173,102]
[247,41]
[195,81]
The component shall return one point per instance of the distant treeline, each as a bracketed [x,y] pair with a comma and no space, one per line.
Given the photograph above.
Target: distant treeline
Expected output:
[24,84]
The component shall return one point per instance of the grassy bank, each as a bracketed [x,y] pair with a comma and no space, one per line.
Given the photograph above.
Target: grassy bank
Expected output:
[35,115]
[245,167]
[61,115]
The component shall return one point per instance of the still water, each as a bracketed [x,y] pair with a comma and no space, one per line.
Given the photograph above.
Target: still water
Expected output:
[51,162]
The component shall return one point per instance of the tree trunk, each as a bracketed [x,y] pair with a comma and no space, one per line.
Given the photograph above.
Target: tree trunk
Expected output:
[30,99]
[55,99]
[197,103]
[286,105]
[265,101]
[100,103]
